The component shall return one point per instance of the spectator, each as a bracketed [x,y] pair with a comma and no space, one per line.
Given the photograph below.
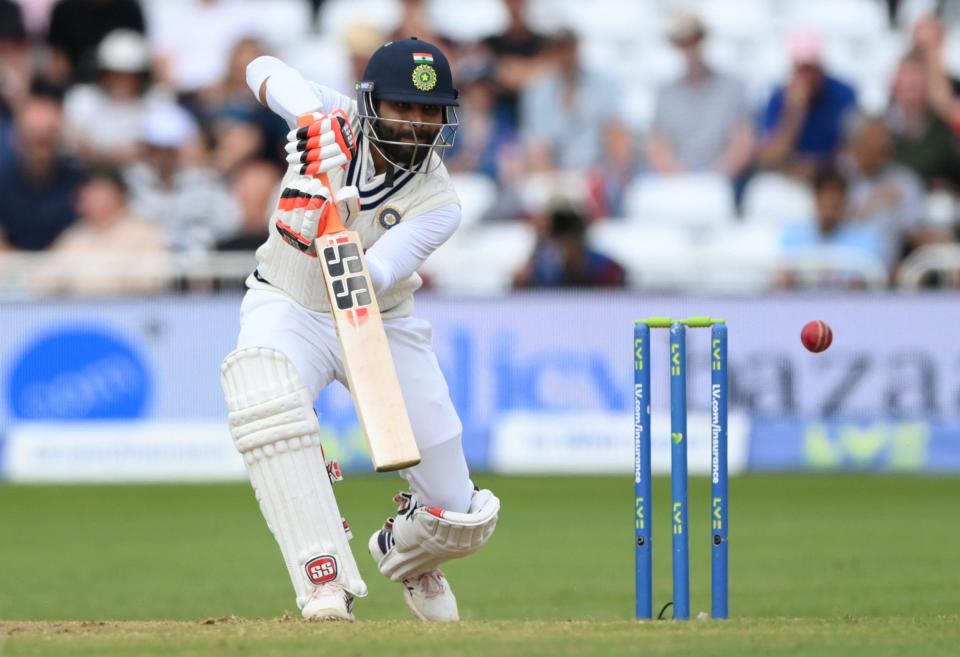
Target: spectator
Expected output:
[188,201]
[103,118]
[14,63]
[702,121]
[619,166]
[831,229]
[943,91]
[415,21]
[485,134]
[37,184]
[195,38]
[802,126]
[922,141]
[520,56]
[882,193]
[361,40]
[108,250]
[254,187]
[241,128]
[344,62]
[78,26]
[565,112]
[563,259]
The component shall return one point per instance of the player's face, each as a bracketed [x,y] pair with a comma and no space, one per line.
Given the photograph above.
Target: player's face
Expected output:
[409,123]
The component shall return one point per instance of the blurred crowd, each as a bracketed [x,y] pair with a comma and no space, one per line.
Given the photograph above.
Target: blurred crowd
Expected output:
[135,141]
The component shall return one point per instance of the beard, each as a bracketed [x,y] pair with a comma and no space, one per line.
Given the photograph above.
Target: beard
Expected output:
[409,155]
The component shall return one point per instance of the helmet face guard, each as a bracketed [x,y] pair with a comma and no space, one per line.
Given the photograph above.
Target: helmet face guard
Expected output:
[407,145]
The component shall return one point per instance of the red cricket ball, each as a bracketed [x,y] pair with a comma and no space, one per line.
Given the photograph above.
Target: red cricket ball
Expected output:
[816,336]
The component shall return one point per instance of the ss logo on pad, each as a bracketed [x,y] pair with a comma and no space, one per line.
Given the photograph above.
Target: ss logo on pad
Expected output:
[321,569]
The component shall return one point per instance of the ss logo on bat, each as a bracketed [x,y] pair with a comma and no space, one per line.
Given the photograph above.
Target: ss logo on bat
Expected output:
[350,291]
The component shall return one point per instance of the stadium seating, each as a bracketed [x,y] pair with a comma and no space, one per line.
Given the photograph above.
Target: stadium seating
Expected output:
[477,194]
[916,268]
[287,21]
[694,201]
[480,260]
[741,259]
[468,21]
[774,199]
[321,58]
[656,256]
[337,15]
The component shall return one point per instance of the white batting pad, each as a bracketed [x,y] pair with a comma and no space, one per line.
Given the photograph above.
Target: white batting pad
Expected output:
[425,537]
[274,427]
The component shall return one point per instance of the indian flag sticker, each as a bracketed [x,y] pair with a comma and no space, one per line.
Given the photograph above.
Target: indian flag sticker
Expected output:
[422,58]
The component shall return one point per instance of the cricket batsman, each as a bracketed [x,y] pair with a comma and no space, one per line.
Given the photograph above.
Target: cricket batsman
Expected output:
[382,154]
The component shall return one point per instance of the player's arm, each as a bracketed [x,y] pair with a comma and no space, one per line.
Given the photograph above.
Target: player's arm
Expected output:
[405,247]
[285,91]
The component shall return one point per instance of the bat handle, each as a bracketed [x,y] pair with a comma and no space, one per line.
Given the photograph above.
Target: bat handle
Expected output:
[334,221]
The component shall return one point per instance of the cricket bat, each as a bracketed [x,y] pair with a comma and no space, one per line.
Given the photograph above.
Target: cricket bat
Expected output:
[371,373]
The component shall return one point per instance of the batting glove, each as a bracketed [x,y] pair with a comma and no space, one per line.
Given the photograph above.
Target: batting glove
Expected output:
[304,210]
[322,145]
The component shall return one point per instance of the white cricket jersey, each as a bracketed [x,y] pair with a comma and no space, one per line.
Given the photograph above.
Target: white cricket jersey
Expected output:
[383,206]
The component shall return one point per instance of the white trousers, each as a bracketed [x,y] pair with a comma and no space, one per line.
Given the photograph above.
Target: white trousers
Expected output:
[309,339]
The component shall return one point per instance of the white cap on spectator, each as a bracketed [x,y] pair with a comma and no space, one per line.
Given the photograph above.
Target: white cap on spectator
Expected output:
[805,47]
[168,126]
[124,51]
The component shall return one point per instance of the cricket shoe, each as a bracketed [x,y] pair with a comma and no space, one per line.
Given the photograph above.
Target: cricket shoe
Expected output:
[329,601]
[428,595]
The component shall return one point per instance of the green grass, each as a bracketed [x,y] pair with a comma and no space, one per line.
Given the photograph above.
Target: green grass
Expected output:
[822,565]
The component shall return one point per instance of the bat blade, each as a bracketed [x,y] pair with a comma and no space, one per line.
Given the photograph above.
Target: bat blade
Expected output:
[371,373]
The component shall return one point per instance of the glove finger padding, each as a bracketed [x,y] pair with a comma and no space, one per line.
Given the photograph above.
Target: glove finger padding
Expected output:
[312,192]
[325,143]
[426,537]
[300,212]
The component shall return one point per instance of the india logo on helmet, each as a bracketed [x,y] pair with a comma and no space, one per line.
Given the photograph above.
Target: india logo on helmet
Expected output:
[424,77]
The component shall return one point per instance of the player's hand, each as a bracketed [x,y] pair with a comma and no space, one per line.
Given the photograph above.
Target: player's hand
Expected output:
[322,145]
[304,210]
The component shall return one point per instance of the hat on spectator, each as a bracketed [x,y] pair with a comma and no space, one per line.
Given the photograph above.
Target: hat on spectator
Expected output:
[12,27]
[168,126]
[362,39]
[685,26]
[107,173]
[124,51]
[805,47]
